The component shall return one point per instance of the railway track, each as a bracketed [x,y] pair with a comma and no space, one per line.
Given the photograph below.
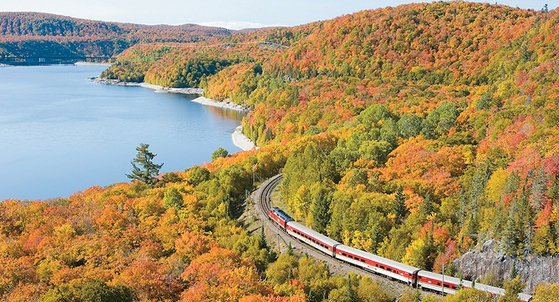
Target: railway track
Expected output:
[265,197]
[263,200]
[424,279]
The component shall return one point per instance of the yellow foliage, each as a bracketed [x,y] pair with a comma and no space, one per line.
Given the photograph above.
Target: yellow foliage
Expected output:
[546,292]
[495,185]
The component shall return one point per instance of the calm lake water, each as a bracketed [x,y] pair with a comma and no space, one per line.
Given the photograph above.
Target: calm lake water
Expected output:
[61,133]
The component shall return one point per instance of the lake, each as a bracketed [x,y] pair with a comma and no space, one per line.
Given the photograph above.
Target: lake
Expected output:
[61,133]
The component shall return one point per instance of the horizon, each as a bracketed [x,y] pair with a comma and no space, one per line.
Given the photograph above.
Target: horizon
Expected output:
[233,15]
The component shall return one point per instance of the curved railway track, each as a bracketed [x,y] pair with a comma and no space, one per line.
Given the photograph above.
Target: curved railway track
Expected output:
[265,196]
[263,200]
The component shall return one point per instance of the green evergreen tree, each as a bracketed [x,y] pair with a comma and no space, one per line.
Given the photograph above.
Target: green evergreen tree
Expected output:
[143,168]
[289,249]
[263,242]
[399,206]
[350,293]
[426,208]
[512,272]
[321,208]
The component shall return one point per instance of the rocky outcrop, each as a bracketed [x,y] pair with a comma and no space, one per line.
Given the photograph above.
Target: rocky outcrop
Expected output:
[489,259]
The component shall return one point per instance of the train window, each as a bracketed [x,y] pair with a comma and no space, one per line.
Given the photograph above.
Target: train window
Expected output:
[362,260]
[382,266]
[388,269]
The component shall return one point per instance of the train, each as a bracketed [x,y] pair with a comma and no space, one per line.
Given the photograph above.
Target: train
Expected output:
[410,275]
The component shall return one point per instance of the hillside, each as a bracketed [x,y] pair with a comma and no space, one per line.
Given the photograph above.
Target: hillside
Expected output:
[420,133]
[428,108]
[28,34]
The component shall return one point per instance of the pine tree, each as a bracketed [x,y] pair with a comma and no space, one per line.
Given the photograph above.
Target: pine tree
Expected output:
[426,208]
[399,206]
[143,168]
[512,272]
[263,241]
[321,209]
[350,293]
[289,249]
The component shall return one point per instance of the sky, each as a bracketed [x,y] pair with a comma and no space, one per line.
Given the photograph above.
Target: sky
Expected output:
[232,14]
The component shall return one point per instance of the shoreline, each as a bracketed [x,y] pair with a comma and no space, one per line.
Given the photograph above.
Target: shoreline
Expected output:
[241,141]
[226,104]
[155,88]
[238,138]
[83,63]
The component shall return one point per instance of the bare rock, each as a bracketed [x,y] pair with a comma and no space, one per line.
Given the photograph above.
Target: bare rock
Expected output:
[489,258]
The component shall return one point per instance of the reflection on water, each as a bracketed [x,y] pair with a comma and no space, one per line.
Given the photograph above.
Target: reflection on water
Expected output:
[227,113]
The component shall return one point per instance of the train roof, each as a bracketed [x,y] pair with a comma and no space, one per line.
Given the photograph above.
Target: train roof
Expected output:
[373,257]
[282,214]
[490,289]
[316,235]
[449,279]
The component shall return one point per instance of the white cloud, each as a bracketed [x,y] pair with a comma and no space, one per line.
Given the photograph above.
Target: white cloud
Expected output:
[235,25]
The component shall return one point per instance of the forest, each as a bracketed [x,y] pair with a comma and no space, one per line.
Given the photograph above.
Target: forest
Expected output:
[28,34]
[415,132]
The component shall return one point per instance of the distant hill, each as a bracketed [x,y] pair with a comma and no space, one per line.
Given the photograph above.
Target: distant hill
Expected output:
[26,35]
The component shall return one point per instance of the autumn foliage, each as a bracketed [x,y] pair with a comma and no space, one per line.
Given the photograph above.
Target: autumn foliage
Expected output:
[414,132]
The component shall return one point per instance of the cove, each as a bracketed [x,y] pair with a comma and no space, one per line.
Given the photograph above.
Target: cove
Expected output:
[61,133]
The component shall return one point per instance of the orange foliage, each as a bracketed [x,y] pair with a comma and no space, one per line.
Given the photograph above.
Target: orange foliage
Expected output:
[221,275]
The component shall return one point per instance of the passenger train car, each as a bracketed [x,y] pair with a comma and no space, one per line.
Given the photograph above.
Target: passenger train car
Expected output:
[376,264]
[436,282]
